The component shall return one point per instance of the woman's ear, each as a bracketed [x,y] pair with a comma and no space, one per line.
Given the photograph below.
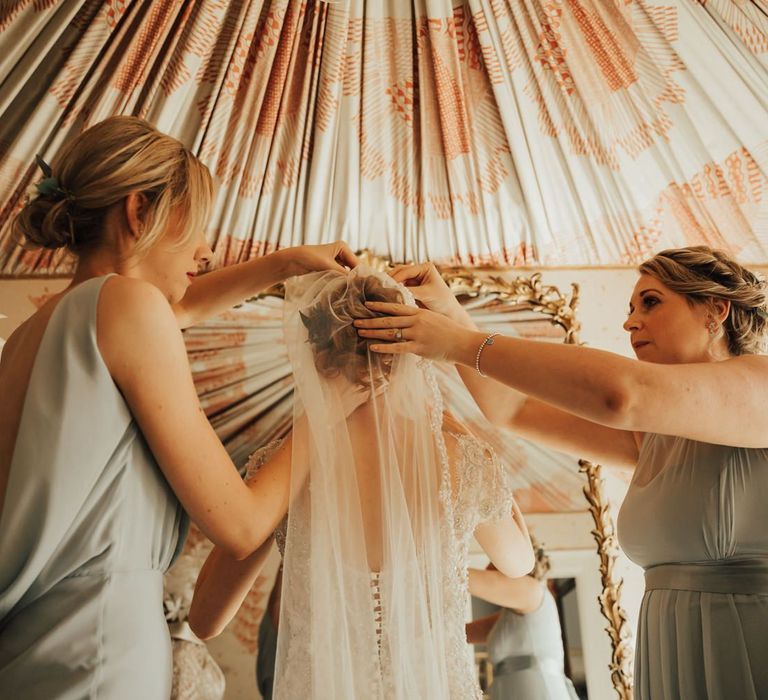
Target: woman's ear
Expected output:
[721,308]
[135,210]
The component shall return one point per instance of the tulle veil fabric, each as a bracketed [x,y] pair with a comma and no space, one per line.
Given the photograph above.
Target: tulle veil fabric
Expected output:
[370,493]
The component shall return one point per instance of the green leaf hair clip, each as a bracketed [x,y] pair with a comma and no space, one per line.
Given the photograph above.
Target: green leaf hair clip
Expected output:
[49,186]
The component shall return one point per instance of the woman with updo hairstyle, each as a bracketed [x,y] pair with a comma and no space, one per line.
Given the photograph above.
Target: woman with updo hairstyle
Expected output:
[104,450]
[388,489]
[344,352]
[690,418]
[524,638]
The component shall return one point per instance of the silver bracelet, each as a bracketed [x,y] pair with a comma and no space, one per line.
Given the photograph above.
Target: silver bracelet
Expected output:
[488,341]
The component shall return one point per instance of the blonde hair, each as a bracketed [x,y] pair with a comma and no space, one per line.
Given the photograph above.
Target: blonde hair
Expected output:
[337,346]
[703,275]
[103,165]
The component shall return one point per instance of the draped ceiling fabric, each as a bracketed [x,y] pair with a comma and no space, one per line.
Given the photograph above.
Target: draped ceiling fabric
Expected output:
[539,132]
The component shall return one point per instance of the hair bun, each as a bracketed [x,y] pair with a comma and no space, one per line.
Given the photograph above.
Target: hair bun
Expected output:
[337,346]
[47,223]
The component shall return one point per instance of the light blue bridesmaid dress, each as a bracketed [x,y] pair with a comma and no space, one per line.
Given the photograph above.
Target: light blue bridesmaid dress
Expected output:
[527,655]
[695,518]
[88,527]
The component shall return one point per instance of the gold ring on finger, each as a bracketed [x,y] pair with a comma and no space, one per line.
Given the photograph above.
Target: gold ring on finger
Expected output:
[398,334]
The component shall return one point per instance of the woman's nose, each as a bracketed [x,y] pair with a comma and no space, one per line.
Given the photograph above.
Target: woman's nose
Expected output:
[204,254]
[631,324]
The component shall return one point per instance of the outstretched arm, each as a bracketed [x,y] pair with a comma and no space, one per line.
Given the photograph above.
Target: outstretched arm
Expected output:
[217,291]
[509,408]
[145,354]
[522,594]
[598,386]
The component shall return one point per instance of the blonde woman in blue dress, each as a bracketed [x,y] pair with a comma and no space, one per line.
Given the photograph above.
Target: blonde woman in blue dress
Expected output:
[691,418]
[103,444]
[524,638]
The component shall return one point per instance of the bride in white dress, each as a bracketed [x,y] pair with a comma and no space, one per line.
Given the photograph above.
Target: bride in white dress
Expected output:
[386,491]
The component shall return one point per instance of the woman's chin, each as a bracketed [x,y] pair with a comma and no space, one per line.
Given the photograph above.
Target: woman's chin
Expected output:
[646,353]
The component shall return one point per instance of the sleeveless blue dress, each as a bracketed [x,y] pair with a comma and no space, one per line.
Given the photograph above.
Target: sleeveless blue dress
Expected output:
[88,527]
[695,519]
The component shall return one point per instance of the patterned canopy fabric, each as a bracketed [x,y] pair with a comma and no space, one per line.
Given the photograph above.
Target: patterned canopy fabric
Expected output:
[539,132]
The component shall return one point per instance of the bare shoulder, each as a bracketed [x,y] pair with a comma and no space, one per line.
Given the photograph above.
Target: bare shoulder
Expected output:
[721,402]
[749,372]
[757,362]
[122,297]
[134,303]
[134,318]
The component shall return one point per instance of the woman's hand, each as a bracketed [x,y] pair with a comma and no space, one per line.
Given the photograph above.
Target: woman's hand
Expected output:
[420,331]
[429,289]
[317,258]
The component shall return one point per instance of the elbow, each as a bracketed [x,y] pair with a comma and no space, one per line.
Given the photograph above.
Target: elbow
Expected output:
[242,542]
[518,566]
[240,550]
[517,562]
[528,563]
[524,560]
[619,407]
[501,415]
[496,416]
[204,631]
[203,626]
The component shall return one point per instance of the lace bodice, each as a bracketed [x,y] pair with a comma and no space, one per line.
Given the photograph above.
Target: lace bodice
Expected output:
[479,491]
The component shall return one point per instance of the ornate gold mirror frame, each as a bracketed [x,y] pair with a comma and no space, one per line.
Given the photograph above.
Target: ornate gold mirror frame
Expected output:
[529,293]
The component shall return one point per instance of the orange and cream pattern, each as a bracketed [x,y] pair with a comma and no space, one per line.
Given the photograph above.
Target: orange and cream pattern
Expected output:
[539,132]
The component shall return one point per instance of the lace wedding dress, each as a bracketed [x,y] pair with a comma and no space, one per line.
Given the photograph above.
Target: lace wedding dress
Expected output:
[480,493]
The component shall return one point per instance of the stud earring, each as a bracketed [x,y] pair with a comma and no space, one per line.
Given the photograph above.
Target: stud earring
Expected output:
[712,327]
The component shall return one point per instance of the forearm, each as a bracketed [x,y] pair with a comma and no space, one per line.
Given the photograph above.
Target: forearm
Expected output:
[221,588]
[585,382]
[523,593]
[497,401]
[217,291]
[478,630]
[270,489]
[485,584]
[267,495]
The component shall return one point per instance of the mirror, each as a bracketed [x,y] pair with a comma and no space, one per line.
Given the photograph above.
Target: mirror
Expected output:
[569,639]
